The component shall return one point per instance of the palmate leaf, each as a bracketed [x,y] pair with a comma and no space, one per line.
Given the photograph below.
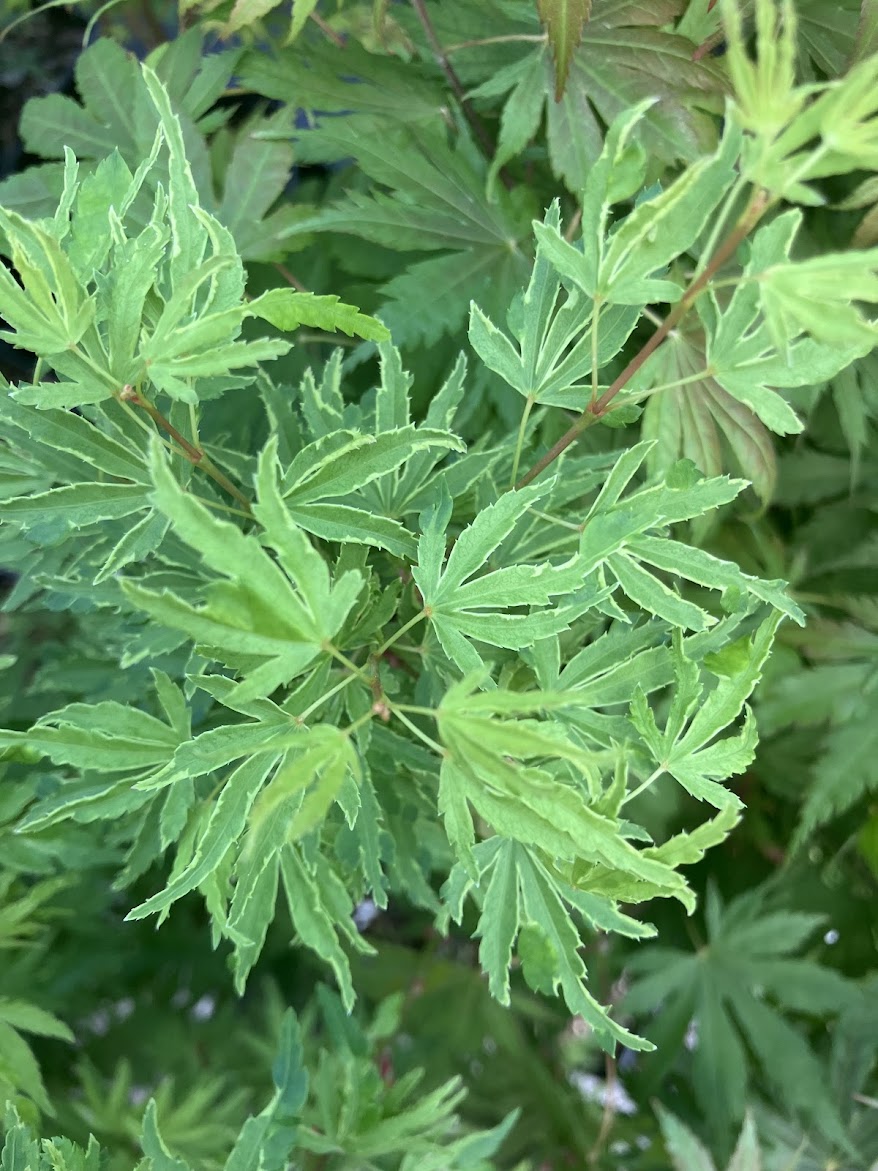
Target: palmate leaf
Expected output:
[851,1061]
[818,297]
[19,1071]
[608,276]
[702,421]
[398,468]
[626,267]
[827,40]
[252,168]
[253,617]
[117,111]
[837,696]
[688,1153]
[323,485]
[523,901]
[87,285]
[247,12]
[434,202]
[748,951]
[616,535]
[731,373]
[89,463]
[688,748]
[553,348]
[462,607]
[106,737]
[486,765]
[256,174]
[298,797]
[287,778]
[624,57]
[319,902]
[317,77]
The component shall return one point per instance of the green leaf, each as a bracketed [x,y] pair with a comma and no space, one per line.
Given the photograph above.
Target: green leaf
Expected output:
[660,229]
[460,609]
[520,893]
[694,757]
[319,906]
[28,1018]
[225,824]
[531,804]
[77,505]
[436,201]
[454,808]
[701,567]
[269,623]
[256,176]
[554,347]
[693,421]
[818,297]
[75,435]
[315,76]
[316,774]
[302,9]
[103,737]
[247,12]
[19,1068]
[343,462]
[625,58]
[722,984]
[154,1146]
[747,1156]
[564,21]
[286,309]
[686,1151]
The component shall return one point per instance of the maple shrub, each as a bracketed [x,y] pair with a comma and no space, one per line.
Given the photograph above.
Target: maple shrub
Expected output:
[450,432]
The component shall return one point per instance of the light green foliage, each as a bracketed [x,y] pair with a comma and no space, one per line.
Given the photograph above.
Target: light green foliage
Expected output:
[271,607]
[468,623]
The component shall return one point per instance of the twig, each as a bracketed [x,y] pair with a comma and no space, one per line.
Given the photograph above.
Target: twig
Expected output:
[747,221]
[194,454]
[289,278]
[609,1114]
[573,225]
[327,30]
[475,122]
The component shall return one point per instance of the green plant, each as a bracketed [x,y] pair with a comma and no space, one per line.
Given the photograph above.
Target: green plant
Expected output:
[468,618]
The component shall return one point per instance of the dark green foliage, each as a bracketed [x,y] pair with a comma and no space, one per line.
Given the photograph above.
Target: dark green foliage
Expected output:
[437,723]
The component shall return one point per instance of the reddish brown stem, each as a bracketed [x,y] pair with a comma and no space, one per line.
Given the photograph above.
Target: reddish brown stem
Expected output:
[195,456]
[327,30]
[290,278]
[129,395]
[747,221]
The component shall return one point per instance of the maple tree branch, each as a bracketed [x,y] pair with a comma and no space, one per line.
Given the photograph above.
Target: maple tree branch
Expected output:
[476,124]
[748,219]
